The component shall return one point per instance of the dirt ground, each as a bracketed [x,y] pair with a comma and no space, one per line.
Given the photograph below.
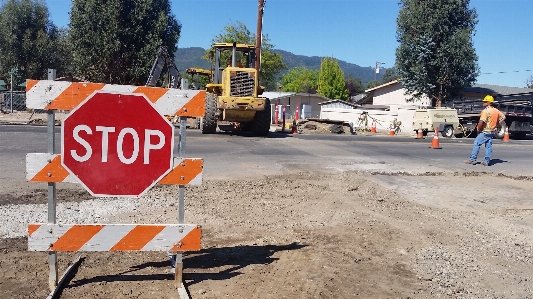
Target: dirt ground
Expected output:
[313,236]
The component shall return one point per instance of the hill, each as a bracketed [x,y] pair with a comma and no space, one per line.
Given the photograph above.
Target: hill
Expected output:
[191,57]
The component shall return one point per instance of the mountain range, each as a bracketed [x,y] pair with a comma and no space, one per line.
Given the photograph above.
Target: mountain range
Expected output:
[191,57]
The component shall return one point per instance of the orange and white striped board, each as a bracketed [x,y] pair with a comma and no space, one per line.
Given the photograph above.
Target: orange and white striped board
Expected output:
[62,95]
[42,167]
[114,237]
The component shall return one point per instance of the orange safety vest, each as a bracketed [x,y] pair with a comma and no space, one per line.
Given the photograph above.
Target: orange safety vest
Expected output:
[491,117]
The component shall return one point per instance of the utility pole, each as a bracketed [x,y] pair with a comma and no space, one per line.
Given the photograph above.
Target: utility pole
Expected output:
[377,68]
[258,35]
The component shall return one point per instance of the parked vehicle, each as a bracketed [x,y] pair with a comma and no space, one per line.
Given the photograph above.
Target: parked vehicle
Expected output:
[445,120]
[235,93]
[517,115]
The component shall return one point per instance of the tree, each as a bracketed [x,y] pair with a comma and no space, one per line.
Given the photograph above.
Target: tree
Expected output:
[331,82]
[372,84]
[28,40]
[271,63]
[116,41]
[300,79]
[529,82]
[436,57]
[354,86]
[390,75]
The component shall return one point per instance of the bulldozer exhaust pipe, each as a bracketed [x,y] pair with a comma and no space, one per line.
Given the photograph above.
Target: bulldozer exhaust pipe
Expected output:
[234,55]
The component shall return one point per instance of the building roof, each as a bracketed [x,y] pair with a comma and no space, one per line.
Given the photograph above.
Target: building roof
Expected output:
[280,95]
[70,79]
[276,95]
[361,99]
[375,107]
[382,85]
[497,90]
[340,102]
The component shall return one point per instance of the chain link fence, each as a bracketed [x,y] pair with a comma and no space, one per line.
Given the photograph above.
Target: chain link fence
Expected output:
[11,102]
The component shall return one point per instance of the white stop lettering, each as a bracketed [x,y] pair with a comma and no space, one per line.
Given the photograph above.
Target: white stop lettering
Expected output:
[88,150]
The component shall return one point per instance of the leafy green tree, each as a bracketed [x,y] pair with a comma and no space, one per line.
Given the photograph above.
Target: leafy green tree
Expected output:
[436,57]
[64,54]
[354,86]
[390,75]
[116,41]
[271,63]
[28,40]
[372,84]
[331,82]
[300,79]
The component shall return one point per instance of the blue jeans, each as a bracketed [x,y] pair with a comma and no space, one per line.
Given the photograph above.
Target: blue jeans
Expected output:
[486,139]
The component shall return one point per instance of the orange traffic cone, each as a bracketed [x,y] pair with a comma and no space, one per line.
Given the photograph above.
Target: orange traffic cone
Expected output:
[420,133]
[391,132]
[373,129]
[506,135]
[435,140]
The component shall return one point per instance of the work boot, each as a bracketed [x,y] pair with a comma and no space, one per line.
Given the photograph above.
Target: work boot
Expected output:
[470,162]
[484,164]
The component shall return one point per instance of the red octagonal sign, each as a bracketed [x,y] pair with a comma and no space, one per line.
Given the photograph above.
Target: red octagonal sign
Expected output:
[117,144]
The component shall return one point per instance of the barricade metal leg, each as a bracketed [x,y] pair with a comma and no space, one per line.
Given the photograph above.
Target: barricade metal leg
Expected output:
[178,276]
[52,256]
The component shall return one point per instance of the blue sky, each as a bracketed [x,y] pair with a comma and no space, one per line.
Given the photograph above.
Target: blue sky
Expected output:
[362,32]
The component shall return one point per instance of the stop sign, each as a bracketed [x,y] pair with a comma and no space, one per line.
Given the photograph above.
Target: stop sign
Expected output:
[117,144]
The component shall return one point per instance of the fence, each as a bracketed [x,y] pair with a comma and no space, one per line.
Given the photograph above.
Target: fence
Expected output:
[383,117]
[15,101]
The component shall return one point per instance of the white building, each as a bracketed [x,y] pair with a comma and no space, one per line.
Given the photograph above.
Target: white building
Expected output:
[307,103]
[388,104]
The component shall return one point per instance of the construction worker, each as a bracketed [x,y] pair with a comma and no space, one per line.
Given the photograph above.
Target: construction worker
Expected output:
[489,120]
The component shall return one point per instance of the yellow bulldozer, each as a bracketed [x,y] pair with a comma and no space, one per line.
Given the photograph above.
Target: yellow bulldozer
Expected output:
[234,93]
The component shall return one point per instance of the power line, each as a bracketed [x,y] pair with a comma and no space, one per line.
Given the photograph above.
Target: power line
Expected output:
[506,72]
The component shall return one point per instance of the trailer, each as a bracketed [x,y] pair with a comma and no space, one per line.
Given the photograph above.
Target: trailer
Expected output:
[444,120]
[517,111]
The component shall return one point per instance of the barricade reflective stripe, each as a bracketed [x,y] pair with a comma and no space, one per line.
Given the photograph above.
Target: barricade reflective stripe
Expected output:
[46,168]
[42,167]
[185,172]
[61,95]
[114,237]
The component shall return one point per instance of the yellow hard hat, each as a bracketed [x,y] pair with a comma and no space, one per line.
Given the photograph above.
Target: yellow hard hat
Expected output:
[488,99]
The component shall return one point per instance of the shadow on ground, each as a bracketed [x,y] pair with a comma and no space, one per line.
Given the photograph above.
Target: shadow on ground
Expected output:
[224,263]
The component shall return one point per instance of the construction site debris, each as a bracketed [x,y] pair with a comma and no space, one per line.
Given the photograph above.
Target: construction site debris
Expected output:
[322,126]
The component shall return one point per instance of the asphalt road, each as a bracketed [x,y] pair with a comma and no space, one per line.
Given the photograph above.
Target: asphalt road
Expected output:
[347,152]
[228,156]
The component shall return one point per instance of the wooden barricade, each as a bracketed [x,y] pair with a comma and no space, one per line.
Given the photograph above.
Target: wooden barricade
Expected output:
[49,167]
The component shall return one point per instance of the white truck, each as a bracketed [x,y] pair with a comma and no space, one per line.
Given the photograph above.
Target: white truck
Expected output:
[445,120]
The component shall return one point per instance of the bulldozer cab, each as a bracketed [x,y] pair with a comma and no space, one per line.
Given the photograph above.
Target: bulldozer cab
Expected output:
[196,73]
[232,55]
[234,62]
